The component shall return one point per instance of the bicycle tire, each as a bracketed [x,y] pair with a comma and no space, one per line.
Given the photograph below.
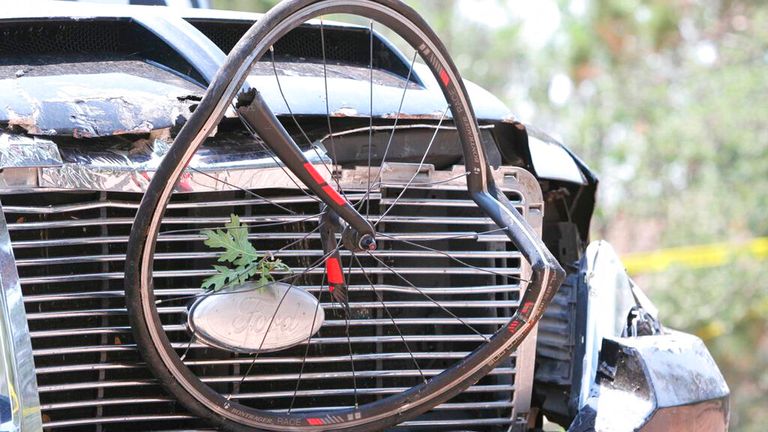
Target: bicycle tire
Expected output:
[154,344]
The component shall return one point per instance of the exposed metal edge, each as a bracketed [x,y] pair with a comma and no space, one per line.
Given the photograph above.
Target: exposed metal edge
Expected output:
[212,169]
[20,151]
[16,342]
[610,301]
[393,128]
[122,171]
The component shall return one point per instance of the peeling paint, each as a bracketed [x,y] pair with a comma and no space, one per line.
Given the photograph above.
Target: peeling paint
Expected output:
[112,98]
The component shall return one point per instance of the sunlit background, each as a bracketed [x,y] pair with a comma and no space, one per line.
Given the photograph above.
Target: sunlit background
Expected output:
[668,101]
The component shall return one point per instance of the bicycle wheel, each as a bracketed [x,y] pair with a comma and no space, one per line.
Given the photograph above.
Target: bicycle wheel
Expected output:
[380,340]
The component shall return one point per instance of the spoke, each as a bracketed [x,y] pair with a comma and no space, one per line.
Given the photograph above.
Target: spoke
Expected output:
[391,318]
[247,191]
[244,226]
[418,169]
[370,125]
[325,83]
[328,108]
[453,258]
[247,372]
[295,242]
[269,326]
[474,236]
[397,119]
[399,108]
[270,253]
[309,341]
[285,99]
[427,296]
[295,120]
[189,345]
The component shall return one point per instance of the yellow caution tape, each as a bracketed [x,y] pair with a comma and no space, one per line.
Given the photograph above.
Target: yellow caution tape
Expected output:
[703,256]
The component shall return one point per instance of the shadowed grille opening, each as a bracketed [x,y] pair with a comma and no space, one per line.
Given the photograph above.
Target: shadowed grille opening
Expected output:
[53,42]
[343,45]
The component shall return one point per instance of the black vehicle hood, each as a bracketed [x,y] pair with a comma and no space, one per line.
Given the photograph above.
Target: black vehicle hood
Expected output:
[95,70]
[87,71]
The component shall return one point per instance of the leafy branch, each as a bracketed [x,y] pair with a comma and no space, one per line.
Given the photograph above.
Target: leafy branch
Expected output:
[242,261]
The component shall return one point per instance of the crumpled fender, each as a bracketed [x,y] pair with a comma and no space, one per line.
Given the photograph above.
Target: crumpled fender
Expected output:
[664,381]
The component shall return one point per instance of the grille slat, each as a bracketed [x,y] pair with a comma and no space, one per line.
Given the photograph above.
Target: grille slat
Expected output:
[341,392]
[328,323]
[264,360]
[84,241]
[169,417]
[70,249]
[326,306]
[254,221]
[282,254]
[315,271]
[480,290]
[342,341]
[394,373]
[443,407]
[53,209]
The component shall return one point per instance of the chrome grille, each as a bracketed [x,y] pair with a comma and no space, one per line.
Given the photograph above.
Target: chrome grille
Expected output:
[70,246]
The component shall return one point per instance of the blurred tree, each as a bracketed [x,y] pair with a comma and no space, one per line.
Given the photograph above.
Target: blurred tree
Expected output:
[670,106]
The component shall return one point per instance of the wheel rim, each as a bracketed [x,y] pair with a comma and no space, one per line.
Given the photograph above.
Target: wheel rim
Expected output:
[496,346]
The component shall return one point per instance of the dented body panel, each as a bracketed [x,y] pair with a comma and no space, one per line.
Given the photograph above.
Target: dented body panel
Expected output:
[656,383]
[89,100]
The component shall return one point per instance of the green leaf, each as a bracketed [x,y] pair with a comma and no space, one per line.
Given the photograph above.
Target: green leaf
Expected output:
[218,280]
[239,252]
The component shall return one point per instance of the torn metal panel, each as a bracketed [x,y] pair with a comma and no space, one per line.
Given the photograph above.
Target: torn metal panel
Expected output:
[225,165]
[117,97]
[93,100]
[18,151]
[611,299]
[656,383]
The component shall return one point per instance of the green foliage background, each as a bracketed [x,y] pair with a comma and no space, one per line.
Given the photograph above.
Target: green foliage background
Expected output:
[669,103]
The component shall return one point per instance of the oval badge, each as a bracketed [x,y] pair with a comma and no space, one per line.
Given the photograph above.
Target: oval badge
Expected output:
[246,318]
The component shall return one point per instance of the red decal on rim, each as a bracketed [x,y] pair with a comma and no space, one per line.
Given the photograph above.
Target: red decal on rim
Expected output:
[444,77]
[526,308]
[313,172]
[334,195]
[315,422]
[514,326]
[333,268]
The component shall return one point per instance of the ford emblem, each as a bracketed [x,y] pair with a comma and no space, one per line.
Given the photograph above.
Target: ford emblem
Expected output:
[250,318]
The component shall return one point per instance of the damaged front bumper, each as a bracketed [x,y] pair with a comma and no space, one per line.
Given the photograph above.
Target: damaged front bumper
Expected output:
[639,376]
[665,382]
